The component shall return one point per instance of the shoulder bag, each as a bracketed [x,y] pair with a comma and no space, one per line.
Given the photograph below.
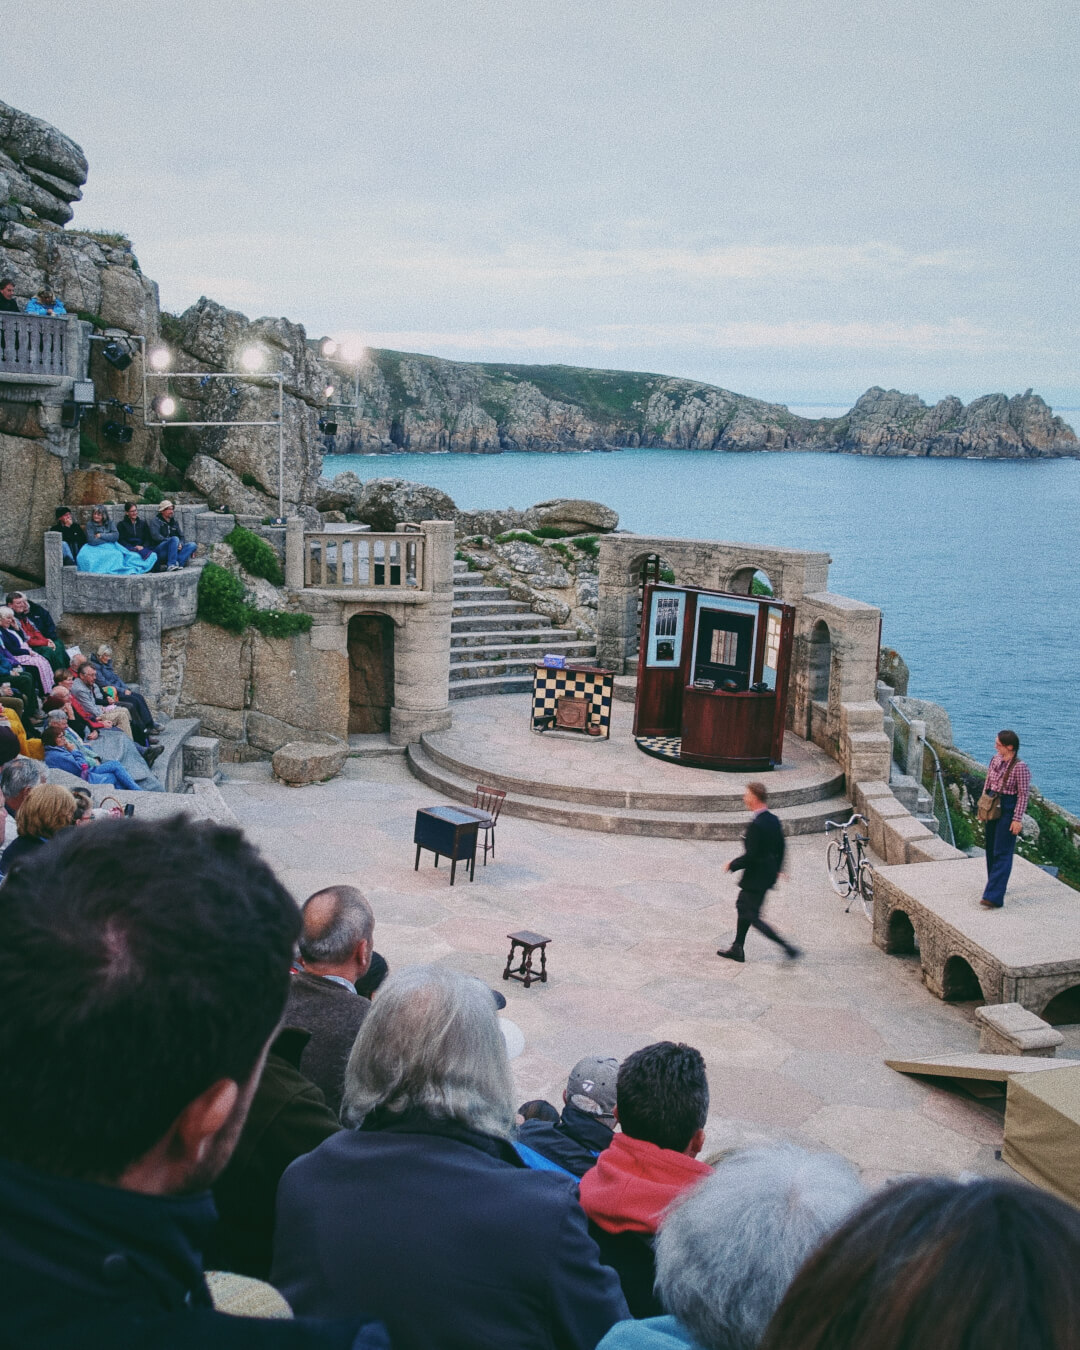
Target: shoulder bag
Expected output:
[989,805]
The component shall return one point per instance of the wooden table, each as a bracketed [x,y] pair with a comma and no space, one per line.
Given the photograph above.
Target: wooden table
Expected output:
[448,832]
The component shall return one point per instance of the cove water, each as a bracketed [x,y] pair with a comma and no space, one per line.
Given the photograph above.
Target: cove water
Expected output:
[975,563]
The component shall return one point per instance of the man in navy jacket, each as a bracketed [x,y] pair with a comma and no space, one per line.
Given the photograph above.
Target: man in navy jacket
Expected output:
[760,863]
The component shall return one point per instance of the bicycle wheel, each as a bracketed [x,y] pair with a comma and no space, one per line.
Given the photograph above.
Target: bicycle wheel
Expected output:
[866,888]
[840,878]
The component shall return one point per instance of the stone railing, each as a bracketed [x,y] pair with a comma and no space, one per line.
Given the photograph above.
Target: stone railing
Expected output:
[33,344]
[363,561]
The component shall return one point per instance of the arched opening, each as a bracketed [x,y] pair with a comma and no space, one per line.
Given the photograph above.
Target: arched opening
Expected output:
[959,982]
[751,581]
[900,939]
[1064,1008]
[819,664]
[650,568]
[371,672]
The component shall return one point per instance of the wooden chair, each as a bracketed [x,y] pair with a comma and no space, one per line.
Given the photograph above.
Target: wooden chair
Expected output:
[488,800]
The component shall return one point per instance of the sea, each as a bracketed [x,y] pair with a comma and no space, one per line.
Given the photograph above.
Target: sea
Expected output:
[974,563]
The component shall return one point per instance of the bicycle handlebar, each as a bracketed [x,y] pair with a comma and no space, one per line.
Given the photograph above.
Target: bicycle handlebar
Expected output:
[837,825]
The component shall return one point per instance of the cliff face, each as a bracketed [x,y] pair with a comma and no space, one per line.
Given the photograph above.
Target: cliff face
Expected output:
[405,401]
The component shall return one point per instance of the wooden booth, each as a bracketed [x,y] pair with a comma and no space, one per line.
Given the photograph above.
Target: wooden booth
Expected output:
[713,677]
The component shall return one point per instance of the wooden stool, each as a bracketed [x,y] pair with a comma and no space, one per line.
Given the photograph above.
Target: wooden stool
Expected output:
[528,942]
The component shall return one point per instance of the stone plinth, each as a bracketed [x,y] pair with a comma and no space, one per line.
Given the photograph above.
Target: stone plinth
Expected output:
[302,762]
[201,757]
[1010,1029]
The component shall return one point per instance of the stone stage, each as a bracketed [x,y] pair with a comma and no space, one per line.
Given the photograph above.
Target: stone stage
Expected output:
[611,786]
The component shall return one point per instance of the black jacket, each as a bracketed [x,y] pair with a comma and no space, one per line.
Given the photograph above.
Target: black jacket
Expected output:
[446,1236]
[763,853]
[574,1141]
[332,1015]
[91,1267]
[42,620]
[133,534]
[159,529]
[74,536]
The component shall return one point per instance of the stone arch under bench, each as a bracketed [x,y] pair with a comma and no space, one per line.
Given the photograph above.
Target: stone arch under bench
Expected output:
[901,937]
[960,981]
[1062,1008]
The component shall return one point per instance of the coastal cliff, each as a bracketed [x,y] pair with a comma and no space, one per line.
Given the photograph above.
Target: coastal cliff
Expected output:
[405,401]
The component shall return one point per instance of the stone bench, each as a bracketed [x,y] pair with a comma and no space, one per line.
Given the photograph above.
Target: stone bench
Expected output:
[1010,1029]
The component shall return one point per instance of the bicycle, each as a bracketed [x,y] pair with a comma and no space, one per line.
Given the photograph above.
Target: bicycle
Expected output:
[850,874]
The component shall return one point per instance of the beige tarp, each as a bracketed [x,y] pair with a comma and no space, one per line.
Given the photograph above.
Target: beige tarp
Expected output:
[1042,1130]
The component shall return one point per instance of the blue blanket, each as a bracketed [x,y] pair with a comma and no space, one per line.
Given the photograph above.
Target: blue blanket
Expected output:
[112,560]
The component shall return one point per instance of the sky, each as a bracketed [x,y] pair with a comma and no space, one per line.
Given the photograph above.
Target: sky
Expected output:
[793,200]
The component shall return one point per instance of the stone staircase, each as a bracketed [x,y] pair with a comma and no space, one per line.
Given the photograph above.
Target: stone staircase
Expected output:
[495,642]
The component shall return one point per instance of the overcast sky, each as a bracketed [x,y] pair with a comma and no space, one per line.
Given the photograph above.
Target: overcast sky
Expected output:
[795,200]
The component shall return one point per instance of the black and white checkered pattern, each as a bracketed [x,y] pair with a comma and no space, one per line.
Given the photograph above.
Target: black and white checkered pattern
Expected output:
[551,685]
[661,747]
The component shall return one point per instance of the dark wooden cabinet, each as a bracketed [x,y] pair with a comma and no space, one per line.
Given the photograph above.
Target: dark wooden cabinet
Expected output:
[728,730]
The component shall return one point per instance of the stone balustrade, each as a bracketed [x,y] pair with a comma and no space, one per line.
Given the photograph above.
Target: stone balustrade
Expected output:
[362,560]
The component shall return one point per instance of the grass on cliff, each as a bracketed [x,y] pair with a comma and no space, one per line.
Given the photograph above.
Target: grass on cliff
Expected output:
[222,602]
[255,555]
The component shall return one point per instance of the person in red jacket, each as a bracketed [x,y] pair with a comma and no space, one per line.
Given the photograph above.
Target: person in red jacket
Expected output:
[661,1103]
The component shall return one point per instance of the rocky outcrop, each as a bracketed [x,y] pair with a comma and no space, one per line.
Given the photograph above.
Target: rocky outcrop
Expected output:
[385,502]
[404,401]
[575,516]
[41,170]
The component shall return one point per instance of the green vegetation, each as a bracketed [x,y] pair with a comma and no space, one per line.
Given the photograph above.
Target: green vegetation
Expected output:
[666,574]
[590,545]
[110,238]
[551,532]
[222,601]
[518,536]
[255,555]
[759,587]
[563,550]
[249,480]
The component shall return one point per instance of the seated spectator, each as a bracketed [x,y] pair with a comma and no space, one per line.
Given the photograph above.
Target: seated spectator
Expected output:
[46,645]
[38,614]
[131,699]
[94,706]
[103,554]
[288,1118]
[577,1138]
[167,538]
[30,746]
[377,972]
[47,810]
[61,752]
[729,1249]
[425,1215]
[19,650]
[137,1014]
[46,303]
[978,1265]
[9,744]
[17,777]
[110,744]
[73,534]
[84,805]
[661,1102]
[133,533]
[8,303]
[536,1109]
[17,683]
[336,942]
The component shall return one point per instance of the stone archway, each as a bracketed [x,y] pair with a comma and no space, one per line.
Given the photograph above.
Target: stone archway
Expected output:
[751,580]
[900,939]
[959,982]
[1064,1008]
[371,672]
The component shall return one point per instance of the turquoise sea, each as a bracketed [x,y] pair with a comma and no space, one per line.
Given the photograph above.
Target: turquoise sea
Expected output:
[976,563]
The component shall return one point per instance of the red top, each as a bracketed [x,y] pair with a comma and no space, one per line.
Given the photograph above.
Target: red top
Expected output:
[634,1181]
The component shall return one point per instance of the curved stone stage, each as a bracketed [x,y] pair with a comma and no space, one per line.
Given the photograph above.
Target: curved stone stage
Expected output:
[565,778]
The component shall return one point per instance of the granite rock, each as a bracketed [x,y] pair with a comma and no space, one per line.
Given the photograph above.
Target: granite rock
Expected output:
[576,516]
[302,762]
[386,502]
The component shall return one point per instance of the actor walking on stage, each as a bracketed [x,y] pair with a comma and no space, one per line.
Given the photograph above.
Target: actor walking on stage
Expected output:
[760,863]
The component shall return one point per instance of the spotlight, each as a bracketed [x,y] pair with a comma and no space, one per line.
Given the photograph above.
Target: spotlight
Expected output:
[160,358]
[329,347]
[117,433]
[164,406]
[328,426]
[117,355]
[328,391]
[253,358]
[353,351]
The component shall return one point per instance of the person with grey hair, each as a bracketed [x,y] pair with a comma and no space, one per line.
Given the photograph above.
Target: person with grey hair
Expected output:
[336,946]
[423,1213]
[17,777]
[728,1250]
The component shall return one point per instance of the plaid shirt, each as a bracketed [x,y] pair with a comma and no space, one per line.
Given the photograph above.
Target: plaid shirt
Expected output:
[1019,781]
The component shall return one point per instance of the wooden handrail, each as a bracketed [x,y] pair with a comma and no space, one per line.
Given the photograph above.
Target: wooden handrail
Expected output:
[363,561]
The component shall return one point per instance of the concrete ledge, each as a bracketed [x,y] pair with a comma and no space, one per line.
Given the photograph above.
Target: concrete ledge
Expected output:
[170,763]
[862,793]
[900,834]
[878,811]
[934,849]
[1010,1029]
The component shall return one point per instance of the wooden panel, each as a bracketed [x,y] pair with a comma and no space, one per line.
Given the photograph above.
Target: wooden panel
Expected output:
[371,673]
[732,731]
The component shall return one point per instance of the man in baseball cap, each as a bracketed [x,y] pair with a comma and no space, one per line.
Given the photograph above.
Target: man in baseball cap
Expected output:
[587,1123]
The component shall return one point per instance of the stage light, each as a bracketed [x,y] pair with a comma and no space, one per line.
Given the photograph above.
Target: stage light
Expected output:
[118,434]
[327,426]
[160,358]
[253,359]
[328,391]
[353,351]
[117,355]
[164,406]
[329,347]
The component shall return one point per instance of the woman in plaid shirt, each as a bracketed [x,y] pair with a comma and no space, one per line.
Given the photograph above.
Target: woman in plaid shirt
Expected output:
[1011,777]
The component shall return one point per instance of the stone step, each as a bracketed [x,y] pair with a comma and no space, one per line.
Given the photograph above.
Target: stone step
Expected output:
[470,593]
[499,684]
[460,565]
[470,609]
[511,650]
[534,637]
[496,623]
[804,818]
[495,666]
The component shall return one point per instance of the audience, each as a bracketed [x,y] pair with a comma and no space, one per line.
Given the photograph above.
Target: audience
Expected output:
[661,1102]
[95,707]
[377,972]
[336,943]
[143,971]
[61,752]
[167,539]
[38,627]
[131,699]
[20,651]
[9,744]
[577,1137]
[133,534]
[107,744]
[729,1248]
[73,536]
[424,1215]
[30,746]
[45,303]
[18,685]
[8,303]
[976,1265]
[103,555]
[46,810]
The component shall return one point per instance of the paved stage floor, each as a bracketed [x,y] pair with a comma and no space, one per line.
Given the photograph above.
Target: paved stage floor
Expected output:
[792,1050]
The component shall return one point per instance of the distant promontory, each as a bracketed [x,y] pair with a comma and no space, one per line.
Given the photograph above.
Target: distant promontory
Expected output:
[406,401]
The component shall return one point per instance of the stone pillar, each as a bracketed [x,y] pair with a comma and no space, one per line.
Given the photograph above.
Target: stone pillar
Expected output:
[148,652]
[422,645]
[294,553]
[915,747]
[54,574]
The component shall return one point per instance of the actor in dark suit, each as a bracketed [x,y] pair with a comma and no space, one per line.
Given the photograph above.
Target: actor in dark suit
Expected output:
[760,864]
